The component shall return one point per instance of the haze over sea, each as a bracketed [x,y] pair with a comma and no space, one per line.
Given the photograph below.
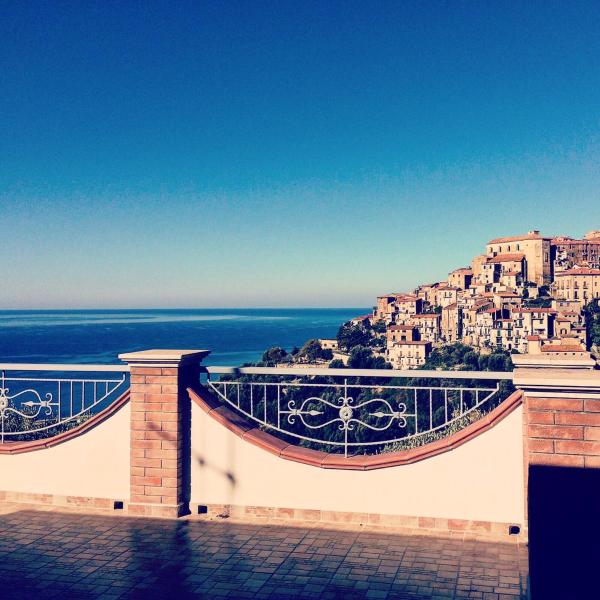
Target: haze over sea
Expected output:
[235,336]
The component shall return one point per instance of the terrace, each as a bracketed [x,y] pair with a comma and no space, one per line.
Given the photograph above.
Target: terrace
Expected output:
[160,475]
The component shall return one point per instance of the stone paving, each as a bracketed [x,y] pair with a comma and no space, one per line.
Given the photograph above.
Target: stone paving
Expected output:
[66,554]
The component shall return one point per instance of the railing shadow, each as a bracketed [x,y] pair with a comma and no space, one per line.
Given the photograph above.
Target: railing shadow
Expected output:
[564,529]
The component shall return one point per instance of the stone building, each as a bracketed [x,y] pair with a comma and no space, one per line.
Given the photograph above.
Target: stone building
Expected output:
[408,355]
[578,284]
[536,250]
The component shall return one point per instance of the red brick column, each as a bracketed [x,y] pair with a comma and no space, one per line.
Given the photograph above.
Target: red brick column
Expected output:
[160,430]
[563,432]
[561,416]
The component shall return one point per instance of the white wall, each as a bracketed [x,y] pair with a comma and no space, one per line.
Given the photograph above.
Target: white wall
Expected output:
[480,480]
[94,464]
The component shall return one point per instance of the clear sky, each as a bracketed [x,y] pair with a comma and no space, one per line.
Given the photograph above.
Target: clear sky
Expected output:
[285,153]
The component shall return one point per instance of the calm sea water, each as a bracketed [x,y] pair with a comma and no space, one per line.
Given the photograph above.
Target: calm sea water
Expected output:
[234,336]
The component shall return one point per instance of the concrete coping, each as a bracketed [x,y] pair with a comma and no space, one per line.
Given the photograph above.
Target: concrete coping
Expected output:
[580,361]
[163,358]
[562,382]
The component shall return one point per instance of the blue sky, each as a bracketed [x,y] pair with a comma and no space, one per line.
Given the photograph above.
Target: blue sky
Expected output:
[285,153]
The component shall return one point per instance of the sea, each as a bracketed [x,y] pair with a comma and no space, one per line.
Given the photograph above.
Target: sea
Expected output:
[234,336]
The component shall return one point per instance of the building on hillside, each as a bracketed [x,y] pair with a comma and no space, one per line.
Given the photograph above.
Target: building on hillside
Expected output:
[428,325]
[329,344]
[392,306]
[512,262]
[401,333]
[484,272]
[568,252]
[451,323]
[428,292]
[461,278]
[481,333]
[512,279]
[408,355]
[446,294]
[529,322]
[385,307]
[567,306]
[536,250]
[407,304]
[471,324]
[579,284]
[507,300]
[503,334]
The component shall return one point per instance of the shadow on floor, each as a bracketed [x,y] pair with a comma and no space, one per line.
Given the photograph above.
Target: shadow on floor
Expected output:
[564,533]
[67,555]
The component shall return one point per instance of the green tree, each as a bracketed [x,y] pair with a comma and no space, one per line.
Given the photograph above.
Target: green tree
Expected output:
[350,336]
[362,357]
[591,313]
[311,352]
[380,327]
[337,364]
[273,356]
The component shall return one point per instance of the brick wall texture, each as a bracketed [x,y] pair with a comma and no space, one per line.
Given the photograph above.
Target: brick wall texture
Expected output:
[159,431]
[562,432]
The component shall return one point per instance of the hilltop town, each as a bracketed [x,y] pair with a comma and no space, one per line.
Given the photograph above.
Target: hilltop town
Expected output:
[526,294]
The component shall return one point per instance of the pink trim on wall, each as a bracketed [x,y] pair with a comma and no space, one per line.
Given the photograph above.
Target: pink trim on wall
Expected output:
[19,447]
[251,433]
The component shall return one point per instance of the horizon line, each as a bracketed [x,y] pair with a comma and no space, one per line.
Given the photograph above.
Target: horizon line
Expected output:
[187,308]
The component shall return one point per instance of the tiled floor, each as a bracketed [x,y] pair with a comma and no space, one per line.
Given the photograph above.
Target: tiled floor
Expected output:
[50,554]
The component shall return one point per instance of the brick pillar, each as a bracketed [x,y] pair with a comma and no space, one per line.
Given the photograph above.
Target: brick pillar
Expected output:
[561,413]
[561,428]
[160,430]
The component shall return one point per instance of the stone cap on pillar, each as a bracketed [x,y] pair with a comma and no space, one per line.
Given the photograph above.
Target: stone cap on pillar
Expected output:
[575,360]
[558,383]
[163,358]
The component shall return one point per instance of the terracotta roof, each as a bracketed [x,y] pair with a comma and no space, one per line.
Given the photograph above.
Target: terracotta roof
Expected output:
[465,270]
[451,306]
[479,303]
[572,242]
[426,316]
[361,318]
[507,295]
[579,271]
[412,343]
[562,348]
[518,238]
[409,297]
[511,273]
[509,257]
[533,338]
[533,310]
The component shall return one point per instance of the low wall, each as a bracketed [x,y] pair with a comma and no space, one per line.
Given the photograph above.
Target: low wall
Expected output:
[481,480]
[94,464]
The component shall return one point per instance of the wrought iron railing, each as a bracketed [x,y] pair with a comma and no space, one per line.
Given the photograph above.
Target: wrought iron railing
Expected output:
[40,406]
[352,410]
